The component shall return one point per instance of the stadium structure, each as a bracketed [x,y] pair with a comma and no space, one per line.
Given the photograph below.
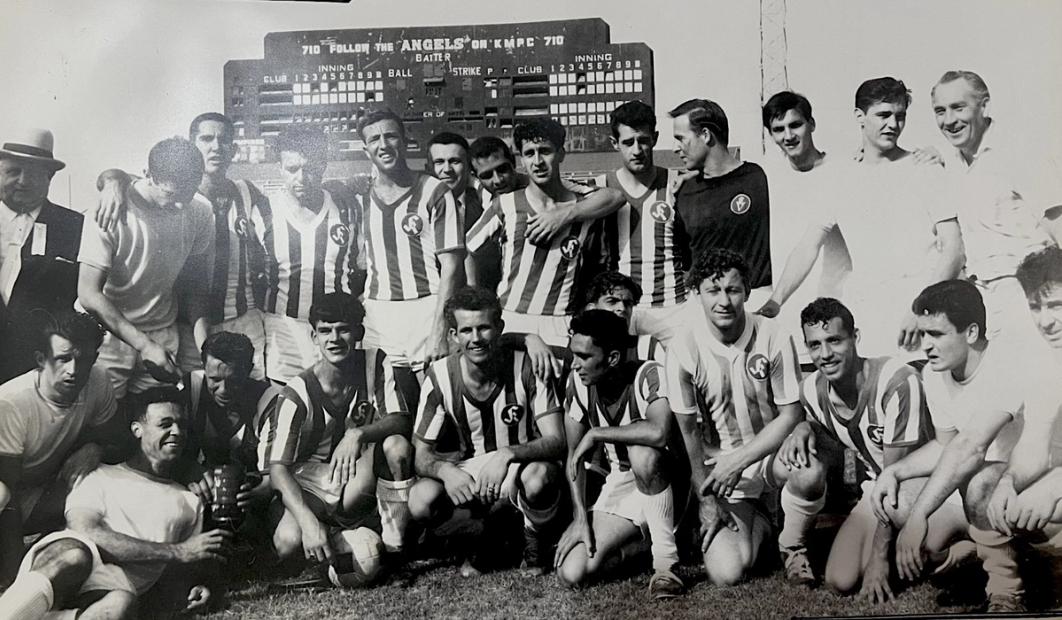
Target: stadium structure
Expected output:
[475,80]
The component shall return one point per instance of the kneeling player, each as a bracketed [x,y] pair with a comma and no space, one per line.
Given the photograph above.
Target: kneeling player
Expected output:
[744,372]
[134,515]
[874,407]
[621,405]
[334,445]
[508,429]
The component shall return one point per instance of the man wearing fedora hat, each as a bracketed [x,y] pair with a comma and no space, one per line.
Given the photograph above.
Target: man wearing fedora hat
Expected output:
[39,243]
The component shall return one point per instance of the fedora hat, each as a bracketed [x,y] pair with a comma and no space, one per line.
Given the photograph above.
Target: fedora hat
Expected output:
[35,145]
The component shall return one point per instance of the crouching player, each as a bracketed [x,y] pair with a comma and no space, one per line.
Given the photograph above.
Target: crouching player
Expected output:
[136,516]
[873,406]
[508,430]
[619,404]
[734,385]
[335,443]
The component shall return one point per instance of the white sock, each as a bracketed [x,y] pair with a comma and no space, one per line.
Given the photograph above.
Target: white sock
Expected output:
[29,598]
[799,514]
[999,560]
[659,512]
[392,498]
[536,519]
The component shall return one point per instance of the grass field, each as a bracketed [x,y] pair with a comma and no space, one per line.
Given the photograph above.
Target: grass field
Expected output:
[436,590]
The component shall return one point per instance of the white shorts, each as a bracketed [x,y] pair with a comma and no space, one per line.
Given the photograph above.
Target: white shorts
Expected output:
[316,478]
[108,577]
[620,497]
[553,330]
[250,324]
[400,328]
[661,323]
[124,366]
[755,479]
[289,347]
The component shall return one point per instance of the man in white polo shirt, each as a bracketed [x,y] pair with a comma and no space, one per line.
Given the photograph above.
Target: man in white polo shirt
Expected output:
[128,275]
[1001,192]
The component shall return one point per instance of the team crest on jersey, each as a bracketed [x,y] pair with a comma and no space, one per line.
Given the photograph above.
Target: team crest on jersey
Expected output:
[241,226]
[340,234]
[758,367]
[362,413]
[740,204]
[876,432]
[569,248]
[661,212]
[412,224]
[512,414]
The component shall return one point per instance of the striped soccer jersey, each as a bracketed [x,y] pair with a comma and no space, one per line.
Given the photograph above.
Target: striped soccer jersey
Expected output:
[239,258]
[890,411]
[217,435]
[307,255]
[305,425]
[737,387]
[535,279]
[641,242]
[508,417]
[403,238]
[644,384]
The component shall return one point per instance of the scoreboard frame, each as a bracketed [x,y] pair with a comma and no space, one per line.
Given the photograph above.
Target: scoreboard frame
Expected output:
[474,80]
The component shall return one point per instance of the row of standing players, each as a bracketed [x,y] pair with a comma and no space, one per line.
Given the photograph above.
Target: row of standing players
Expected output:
[407,235]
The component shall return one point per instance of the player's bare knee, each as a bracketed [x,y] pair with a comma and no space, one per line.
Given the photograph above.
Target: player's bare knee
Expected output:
[725,568]
[840,579]
[287,539]
[424,497]
[647,463]
[118,604]
[398,456]
[64,561]
[537,480]
[573,570]
[808,482]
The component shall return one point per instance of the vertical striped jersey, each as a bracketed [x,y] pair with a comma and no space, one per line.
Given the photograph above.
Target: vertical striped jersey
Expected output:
[220,436]
[507,417]
[306,426]
[735,387]
[308,255]
[239,259]
[403,238]
[535,279]
[641,241]
[644,384]
[890,411]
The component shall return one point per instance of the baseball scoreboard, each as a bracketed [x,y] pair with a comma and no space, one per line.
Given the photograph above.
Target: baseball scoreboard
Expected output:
[475,80]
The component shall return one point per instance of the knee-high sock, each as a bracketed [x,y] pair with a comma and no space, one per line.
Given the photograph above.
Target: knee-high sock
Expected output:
[799,514]
[28,598]
[538,518]
[659,514]
[392,497]
[999,560]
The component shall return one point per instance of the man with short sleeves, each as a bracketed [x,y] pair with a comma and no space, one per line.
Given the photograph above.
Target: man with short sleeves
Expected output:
[127,523]
[334,444]
[56,422]
[488,434]
[734,384]
[726,203]
[900,234]
[129,275]
[980,394]
[873,406]
[618,404]
[415,251]
[1003,193]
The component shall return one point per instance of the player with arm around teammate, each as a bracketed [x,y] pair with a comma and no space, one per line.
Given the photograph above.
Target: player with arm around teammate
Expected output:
[734,385]
[620,404]
[873,406]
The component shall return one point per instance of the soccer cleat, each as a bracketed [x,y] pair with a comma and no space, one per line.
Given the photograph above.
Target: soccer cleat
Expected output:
[469,570]
[665,584]
[536,556]
[797,567]
[1009,602]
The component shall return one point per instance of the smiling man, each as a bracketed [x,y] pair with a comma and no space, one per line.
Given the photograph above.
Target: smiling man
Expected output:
[726,205]
[734,385]
[890,196]
[1003,194]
